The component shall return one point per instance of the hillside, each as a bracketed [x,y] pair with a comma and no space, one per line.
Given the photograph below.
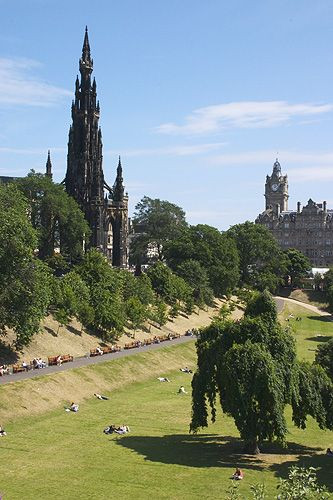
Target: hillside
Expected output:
[52,340]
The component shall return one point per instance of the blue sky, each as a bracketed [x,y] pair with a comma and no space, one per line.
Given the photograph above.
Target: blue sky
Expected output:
[197,97]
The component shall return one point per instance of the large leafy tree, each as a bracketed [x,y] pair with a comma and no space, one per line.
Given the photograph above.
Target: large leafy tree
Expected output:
[251,365]
[24,281]
[168,286]
[155,223]
[324,357]
[297,265]
[262,262]
[56,217]
[105,287]
[214,251]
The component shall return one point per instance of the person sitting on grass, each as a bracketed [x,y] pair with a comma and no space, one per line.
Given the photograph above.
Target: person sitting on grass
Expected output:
[181,390]
[110,429]
[329,452]
[238,475]
[100,396]
[2,431]
[74,407]
[122,429]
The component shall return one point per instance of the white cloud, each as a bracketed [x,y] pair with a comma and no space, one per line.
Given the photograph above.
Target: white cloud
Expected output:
[19,86]
[311,174]
[246,114]
[267,157]
[182,150]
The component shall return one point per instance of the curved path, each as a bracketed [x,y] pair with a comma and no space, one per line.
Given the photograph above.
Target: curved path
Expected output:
[281,300]
[86,360]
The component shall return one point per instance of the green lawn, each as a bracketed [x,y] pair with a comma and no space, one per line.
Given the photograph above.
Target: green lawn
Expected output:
[311,331]
[66,455]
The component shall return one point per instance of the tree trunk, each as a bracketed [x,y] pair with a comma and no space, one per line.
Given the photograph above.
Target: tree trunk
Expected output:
[251,447]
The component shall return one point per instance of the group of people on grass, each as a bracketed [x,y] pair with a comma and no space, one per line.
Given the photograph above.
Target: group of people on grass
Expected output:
[122,429]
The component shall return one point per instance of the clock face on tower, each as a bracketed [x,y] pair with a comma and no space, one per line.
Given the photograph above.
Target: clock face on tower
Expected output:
[275,187]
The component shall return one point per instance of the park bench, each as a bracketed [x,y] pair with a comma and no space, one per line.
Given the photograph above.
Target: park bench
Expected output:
[20,368]
[93,352]
[131,345]
[65,358]
[147,342]
[111,348]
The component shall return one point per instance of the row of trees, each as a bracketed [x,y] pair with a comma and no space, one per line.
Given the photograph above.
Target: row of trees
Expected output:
[37,215]
[192,265]
[213,262]
[251,367]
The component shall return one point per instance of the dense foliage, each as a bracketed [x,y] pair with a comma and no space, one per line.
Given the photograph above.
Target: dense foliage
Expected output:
[24,280]
[262,263]
[155,223]
[56,216]
[251,366]
[297,266]
[215,252]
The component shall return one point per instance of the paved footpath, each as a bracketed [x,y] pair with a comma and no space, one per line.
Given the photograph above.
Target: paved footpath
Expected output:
[87,360]
[281,300]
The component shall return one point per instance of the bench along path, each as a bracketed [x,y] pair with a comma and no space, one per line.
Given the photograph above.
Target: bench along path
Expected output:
[85,361]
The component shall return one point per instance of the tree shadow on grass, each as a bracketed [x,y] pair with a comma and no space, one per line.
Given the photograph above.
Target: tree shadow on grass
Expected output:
[322,462]
[8,355]
[51,331]
[320,338]
[193,451]
[324,319]
[74,330]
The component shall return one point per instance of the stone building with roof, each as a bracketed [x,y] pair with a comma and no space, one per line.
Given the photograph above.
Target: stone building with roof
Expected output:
[308,228]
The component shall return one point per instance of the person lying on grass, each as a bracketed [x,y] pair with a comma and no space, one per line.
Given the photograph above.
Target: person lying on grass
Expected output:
[2,431]
[100,396]
[122,429]
[163,379]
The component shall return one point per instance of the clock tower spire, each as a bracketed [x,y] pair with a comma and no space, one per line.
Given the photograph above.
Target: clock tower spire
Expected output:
[276,190]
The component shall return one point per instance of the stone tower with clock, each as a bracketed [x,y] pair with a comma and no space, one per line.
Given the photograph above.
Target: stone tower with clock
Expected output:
[276,190]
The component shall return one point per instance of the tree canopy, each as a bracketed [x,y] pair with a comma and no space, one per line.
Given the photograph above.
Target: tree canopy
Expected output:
[56,216]
[297,265]
[262,263]
[24,281]
[155,223]
[214,251]
[251,366]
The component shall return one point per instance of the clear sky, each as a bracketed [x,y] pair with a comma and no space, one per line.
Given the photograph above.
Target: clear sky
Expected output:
[197,96]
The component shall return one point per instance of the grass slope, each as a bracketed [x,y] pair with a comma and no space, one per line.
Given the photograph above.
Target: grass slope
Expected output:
[52,454]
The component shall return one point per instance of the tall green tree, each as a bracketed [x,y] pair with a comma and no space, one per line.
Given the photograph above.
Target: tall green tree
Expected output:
[251,366]
[297,265]
[56,216]
[25,288]
[262,262]
[324,357]
[214,251]
[155,222]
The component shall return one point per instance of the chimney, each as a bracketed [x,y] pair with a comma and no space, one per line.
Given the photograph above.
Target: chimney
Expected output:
[298,207]
[324,207]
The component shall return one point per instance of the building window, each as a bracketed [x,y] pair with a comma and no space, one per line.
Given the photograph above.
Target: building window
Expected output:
[286,225]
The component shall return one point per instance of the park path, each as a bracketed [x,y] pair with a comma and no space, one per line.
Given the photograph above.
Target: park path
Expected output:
[86,360]
[281,300]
